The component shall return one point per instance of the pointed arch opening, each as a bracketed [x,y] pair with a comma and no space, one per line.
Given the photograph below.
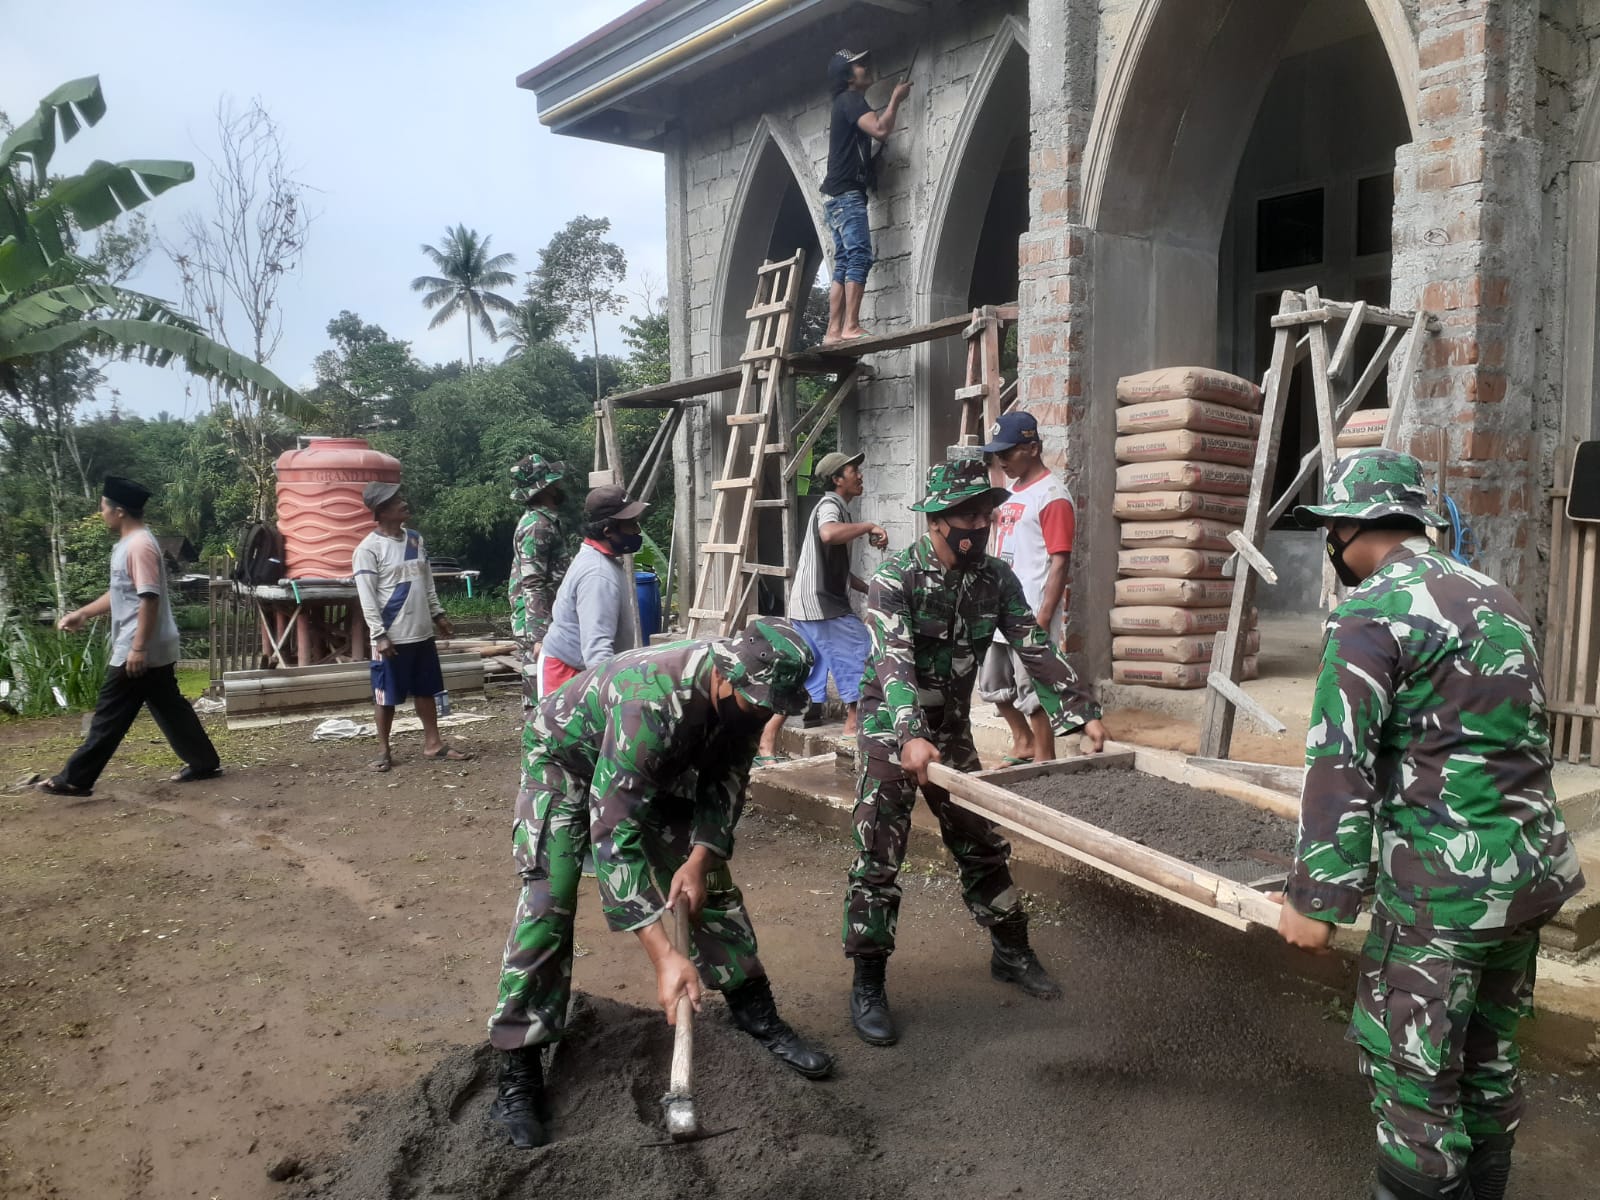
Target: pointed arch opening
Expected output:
[978,217]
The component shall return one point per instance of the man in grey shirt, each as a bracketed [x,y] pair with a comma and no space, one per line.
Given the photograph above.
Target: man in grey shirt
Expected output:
[144,654]
[591,621]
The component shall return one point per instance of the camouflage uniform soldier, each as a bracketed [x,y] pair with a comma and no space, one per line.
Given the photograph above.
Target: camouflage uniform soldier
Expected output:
[648,757]
[932,611]
[539,560]
[1429,735]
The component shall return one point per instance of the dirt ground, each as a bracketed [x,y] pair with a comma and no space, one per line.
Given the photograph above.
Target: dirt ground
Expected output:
[197,984]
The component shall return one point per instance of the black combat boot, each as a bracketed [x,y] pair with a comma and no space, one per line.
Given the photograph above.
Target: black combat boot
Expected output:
[1396,1183]
[519,1106]
[1015,962]
[754,1011]
[1489,1168]
[869,1003]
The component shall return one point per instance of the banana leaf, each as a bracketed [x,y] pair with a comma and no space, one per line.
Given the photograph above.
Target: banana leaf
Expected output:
[73,105]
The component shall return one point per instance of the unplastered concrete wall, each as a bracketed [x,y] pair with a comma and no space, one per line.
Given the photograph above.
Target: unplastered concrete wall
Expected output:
[779,100]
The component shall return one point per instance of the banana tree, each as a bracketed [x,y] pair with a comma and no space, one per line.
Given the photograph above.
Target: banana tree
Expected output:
[47,302]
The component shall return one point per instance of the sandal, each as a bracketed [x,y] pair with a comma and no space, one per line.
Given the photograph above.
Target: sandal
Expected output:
[51,788]
[768,760]
[1012,760]
[381,764]
[190,775]
[447,754]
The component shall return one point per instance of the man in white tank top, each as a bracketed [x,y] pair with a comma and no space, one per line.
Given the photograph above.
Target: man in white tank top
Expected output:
[1032,533]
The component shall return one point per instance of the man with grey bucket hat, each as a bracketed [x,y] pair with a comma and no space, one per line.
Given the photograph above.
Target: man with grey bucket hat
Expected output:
[403,613]
[1427,787]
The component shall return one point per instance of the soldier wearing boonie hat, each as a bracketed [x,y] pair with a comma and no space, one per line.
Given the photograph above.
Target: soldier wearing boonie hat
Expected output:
[539,560]
[646,758]
[1429,737]
[933,610]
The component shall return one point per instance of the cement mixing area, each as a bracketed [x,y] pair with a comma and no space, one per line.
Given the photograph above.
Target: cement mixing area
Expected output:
[276,987]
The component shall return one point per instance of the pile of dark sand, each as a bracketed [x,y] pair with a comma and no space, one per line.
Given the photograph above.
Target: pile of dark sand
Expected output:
[1199,827]
[789,1138]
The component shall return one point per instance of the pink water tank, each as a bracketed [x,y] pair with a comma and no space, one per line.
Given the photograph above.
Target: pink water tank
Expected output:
[320,513]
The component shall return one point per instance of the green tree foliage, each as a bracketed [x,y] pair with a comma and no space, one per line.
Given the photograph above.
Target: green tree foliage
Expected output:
[367,379]
[467,275]
[580,274]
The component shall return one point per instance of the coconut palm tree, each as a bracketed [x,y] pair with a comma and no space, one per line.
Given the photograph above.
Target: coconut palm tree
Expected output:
[466,273]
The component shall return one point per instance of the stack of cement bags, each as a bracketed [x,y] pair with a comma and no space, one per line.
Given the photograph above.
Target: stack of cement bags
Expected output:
[1187,441]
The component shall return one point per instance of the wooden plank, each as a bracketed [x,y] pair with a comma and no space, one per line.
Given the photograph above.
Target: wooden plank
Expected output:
[1327,310]
[1258,561]
[1555,616]
[648,404]
[1241,699]
[1107,760]
[976,391]
[680,389]
[1403,384]
[1347,339]
[828,357]
[1096,846]
[1287,780]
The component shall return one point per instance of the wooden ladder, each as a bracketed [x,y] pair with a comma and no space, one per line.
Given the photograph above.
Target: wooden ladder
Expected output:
[758,431]
[1333,407]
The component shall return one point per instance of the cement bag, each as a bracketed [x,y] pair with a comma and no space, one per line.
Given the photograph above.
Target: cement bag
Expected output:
[1172,675]
[1172,564]
[1364,428]
[1202,416]
[1196,648]
[1156,506]
[1185,593]
[1200,383]
[1157,620]
[1179,476]
[1193,534]
[1185,443]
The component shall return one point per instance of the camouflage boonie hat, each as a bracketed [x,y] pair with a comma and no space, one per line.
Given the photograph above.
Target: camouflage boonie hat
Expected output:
[1370,485]
[531,475]
[954,483]
[767,665]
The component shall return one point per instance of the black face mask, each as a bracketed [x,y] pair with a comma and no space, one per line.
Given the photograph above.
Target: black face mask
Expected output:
[736,720]
[1336,549]
[970,546]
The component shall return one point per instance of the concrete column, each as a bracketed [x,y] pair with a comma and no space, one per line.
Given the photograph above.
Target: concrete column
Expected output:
[1055,266]
[1467,222]
[684,554]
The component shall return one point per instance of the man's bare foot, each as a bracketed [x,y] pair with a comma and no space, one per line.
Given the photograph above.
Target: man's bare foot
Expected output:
[854,334]
[830,335]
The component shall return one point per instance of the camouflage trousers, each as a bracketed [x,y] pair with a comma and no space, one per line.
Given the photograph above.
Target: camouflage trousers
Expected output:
[882,821]
[530,680]
[549,840]
[1435,1021]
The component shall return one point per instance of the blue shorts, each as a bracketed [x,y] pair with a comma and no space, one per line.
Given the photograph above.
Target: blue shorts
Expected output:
[841,645]
[413,671]
[852,236]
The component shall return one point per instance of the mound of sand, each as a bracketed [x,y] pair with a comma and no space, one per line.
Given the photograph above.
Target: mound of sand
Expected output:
[789,1138]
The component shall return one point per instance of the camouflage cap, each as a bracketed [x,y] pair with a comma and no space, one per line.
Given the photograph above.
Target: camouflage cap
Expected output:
[532,474]
[954,483]
[1370,485]
[767,665]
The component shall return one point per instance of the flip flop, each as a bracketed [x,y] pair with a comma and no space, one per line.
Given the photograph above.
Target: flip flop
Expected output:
[1011,760]
[51,788]
[767,760]
[381,764]
[448,754]
[190,775]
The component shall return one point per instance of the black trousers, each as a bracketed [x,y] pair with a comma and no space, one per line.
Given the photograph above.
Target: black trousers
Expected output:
[121,698]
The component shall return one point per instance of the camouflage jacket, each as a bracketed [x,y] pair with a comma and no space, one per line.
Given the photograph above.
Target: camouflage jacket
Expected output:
[930,630]
[539,560]
[1428,731]
[642,730]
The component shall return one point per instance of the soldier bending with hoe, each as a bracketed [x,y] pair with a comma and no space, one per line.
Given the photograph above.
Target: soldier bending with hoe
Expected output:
[932,611]
[1428,730]
[647,757]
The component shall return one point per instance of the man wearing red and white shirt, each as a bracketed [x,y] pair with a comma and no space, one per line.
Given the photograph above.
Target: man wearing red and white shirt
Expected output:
[1033,531]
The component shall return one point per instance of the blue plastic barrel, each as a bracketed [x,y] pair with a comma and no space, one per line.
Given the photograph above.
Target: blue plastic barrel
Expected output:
[649,590]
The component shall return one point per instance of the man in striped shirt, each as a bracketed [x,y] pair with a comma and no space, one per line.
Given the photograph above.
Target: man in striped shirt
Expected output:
[819,600]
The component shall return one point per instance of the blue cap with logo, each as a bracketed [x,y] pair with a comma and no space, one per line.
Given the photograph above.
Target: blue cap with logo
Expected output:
[1012,429]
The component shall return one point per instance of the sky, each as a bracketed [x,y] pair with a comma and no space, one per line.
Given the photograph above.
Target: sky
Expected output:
[403,116]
